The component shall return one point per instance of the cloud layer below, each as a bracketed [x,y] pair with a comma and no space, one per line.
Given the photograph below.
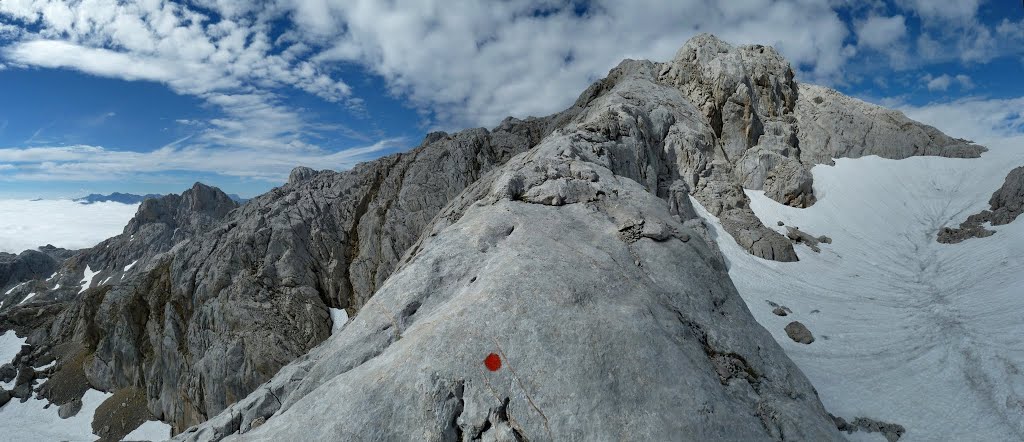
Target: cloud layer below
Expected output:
[64,223]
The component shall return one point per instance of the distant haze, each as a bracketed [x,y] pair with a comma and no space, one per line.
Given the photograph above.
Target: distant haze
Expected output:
[63,223]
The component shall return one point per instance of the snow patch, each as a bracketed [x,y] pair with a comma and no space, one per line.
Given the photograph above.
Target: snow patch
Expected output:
[129,266]
[29,421]
[151,431]
[14,288]
[87,278]
[339,317]
[10,345]
[908,330]
[30,295]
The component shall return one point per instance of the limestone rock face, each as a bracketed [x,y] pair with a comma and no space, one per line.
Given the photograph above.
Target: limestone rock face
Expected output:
[610,319]
[769,131]
[833,125]
[26,266]
[1006,204]
[300,174]
[200,301]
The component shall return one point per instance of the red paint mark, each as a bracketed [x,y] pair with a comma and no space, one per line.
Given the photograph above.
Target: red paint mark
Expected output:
[493,362]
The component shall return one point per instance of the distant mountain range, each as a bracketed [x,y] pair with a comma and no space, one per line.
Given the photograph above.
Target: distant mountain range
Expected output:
[117,197]
[131,198]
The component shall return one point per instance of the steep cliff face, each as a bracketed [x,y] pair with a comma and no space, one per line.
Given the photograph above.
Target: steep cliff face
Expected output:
[200,302]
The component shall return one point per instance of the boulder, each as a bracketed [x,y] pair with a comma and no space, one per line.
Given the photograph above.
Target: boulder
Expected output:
[70,409]
[798,332]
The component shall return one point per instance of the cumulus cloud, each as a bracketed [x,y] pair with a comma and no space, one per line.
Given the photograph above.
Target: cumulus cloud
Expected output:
[525,58]
[29,224]
[230,62]
[939,83]
[944,81]
[881,32]
[959,10]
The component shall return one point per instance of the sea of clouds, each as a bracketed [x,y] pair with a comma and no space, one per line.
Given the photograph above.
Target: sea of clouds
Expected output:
[63,223]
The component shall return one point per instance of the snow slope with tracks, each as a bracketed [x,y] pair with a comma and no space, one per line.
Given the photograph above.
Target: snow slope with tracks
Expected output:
[910,331]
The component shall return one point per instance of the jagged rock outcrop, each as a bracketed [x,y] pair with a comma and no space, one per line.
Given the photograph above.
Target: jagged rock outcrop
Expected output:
[234,295]
[85,329]
[158,225]
[610,318]
[15,270]
[1006,204]
[770,130]
[217,313]
[833,125]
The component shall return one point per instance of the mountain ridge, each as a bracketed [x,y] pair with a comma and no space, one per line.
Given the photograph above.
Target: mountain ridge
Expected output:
[225,306]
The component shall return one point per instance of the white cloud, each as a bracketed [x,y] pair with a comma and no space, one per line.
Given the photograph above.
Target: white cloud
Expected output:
[93,163]
[169,43]
[460,62]
[496,59]
[965,81]
[975,118]
[103,62]
[64,223]
[881,32]
[939,83]
[958,10]
[944,81]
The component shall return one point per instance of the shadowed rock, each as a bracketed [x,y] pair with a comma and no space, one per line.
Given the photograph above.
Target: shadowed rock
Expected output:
[1006,204]
[798,332]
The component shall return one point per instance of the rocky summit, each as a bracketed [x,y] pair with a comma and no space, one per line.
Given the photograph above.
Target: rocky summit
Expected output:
[565,251]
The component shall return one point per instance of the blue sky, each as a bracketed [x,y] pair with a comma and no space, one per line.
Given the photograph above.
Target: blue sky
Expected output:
[150,96]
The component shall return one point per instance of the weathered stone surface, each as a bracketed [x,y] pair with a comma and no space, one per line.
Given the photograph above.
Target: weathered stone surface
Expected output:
[790,183]
[800,237]
[1006,204]
[798,332]
[833,125]
[69,409]
[779,310]
[300,174]
[535,263]
[8,372]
